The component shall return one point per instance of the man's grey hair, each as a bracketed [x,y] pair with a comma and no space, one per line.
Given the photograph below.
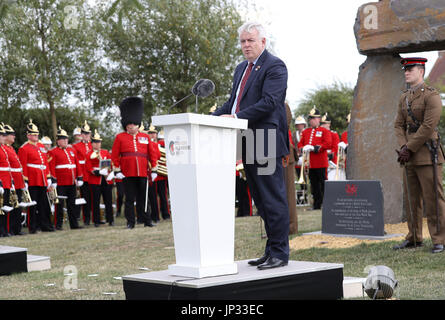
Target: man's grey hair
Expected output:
[250,26]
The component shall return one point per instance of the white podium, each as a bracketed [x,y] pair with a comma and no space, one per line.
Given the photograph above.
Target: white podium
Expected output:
[201,161]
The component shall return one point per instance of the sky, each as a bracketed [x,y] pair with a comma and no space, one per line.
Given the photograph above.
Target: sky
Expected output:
[316,41]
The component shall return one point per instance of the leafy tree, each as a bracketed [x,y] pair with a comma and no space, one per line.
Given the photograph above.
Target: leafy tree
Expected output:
[160,51]
[335,100]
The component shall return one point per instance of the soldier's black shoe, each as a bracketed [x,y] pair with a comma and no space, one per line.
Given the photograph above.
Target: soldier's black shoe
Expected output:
[130,226]
[259,261]
[407,244]
[437,248]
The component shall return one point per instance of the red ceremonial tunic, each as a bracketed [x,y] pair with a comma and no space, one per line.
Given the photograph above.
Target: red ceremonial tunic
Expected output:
[132,153]
[344,137]
[317,137]
[93,164]
[35,163]
[5,170]
[82,148]
[16,167]
[64,166]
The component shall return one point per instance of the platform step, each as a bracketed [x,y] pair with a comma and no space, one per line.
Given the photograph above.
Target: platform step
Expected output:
[353,287]
[38,263]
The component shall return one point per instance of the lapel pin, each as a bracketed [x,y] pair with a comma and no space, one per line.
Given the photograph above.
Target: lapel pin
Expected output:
[257,68]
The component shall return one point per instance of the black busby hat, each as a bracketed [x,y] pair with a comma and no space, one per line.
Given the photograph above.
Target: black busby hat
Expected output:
[131,109]
[408,62]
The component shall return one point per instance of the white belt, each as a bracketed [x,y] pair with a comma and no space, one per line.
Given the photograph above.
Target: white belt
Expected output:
[96,168]
[82,161]
[66,166]
[5,169]
[37,166]
[16,169]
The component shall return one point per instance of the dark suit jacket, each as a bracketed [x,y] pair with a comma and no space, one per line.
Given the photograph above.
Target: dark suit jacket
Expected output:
[262,103]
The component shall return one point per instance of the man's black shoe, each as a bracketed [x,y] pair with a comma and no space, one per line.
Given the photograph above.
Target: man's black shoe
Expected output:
[437,248]
[272,263]
[130,226]
[77,227]
[259,261]
[407,244]
[150,224]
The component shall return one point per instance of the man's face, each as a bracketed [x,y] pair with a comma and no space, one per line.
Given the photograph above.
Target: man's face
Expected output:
[96,145]
[413,75]
[62,143]
[86,136]
[153,136]
[314,122]
[10,138]
[77,138]
[132,128]
[33,137]
[252,45]
[326,126]
[300,127]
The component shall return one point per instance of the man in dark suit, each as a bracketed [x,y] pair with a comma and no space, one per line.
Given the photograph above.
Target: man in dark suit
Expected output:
[258,94]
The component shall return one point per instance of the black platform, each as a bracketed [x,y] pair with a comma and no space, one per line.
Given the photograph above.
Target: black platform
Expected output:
[299,280]
[13,260]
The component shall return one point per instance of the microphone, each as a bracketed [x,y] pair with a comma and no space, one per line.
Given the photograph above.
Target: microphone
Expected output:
[202,88]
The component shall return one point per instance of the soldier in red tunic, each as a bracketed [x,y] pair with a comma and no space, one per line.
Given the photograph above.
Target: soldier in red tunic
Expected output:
[316,140]
[99,180]
[134,158]
[5,186]
[82,148]
[32,156]
[64,165]
[19,183]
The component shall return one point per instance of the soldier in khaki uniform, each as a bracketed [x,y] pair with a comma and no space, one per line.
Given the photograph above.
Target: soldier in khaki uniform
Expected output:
[416,131]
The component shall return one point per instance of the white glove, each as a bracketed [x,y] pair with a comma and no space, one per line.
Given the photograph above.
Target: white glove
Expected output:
[79,183]
[2,190]
[300,161]
[342,145]
[308,147]
[120,175]
[26,185]
[110,176]
[49,183]
[54,185]
[154,176]
[103,172]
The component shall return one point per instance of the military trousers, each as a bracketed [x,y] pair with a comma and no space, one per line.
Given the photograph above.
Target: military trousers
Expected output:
[422,194]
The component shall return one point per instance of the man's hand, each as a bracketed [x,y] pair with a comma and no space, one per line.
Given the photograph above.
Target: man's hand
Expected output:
[404,155]
[227,116]
[308,147]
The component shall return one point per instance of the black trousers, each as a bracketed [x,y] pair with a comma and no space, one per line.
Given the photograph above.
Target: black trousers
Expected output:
[243,196]
[135,189]
[152,195]
[162,192]
[39,216]
[270,196]
[86,208]
[4,218]
[97,190]
[70,202]
[15,216]
[119,198]
[317,178]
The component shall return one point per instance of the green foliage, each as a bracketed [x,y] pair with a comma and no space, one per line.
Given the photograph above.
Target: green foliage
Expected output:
[335,100]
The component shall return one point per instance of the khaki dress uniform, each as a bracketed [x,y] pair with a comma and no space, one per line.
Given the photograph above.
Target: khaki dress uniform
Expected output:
[426,106]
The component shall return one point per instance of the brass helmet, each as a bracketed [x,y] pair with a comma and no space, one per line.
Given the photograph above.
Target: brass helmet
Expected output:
[2,129]
[85,128]
[314,113]
[76,131]
[31,128]
[96,137]
[8,128]
[152,129]
[142,128]
[300,120]
[61,134]
[325,118]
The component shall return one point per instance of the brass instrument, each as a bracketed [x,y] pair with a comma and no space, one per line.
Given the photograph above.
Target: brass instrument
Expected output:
[162,163]
[1,205]
[341,164]
[96,154]
[304,168]
[13,198]
[79,200]
[26,199]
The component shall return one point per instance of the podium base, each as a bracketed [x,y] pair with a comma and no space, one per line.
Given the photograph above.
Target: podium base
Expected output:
[297,280]
[202,272]
[12,260]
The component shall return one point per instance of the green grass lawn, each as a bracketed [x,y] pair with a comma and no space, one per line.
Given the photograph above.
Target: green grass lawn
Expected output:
[109,252]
